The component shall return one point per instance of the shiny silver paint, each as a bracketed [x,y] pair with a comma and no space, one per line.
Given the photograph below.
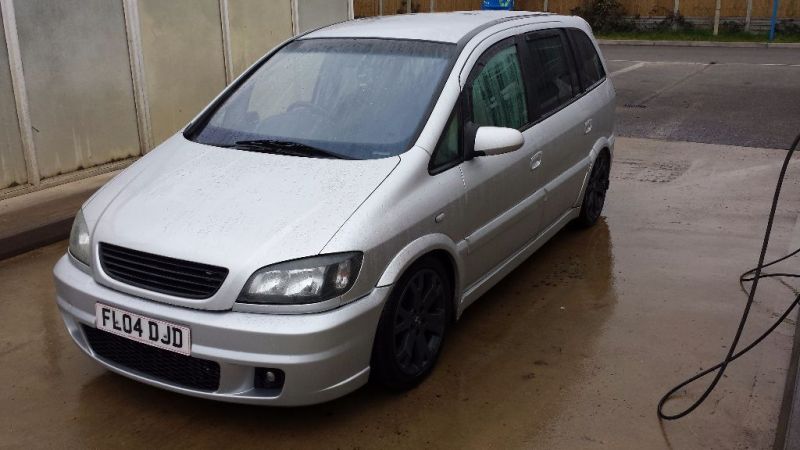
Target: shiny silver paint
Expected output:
[324,355]
[245,222]
[244,211]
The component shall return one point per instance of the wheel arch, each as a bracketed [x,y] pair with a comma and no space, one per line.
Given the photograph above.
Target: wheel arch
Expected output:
[438,246]
[602,145]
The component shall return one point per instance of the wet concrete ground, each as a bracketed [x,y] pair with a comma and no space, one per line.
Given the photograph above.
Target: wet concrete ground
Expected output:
[734,96]
[572,350]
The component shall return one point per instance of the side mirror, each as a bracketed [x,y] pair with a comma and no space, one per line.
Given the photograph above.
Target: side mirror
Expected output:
[497,140]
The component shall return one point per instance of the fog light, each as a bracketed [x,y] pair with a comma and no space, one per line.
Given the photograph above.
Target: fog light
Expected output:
[268,378]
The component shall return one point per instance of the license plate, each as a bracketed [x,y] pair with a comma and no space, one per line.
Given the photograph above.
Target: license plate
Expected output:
[157,333]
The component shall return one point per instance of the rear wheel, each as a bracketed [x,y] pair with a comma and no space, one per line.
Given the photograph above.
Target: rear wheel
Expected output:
[412,326]
[595,196]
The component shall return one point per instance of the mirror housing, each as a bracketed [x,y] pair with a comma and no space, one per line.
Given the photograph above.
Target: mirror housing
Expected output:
[497,141]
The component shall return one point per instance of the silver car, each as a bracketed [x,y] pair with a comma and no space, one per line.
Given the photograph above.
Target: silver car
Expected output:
[331,214]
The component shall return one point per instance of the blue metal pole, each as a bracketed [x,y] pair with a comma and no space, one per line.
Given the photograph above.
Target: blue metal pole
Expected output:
[774,19]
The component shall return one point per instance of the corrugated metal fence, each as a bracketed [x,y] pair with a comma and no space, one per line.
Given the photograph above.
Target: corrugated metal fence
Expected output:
[86,86]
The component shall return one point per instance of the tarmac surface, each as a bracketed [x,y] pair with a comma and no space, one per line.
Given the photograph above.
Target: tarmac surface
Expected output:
[571,350]
[736,96]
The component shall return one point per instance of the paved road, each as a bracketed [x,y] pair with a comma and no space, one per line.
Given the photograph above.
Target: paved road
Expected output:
[703,54]
[572,350]
[735,96]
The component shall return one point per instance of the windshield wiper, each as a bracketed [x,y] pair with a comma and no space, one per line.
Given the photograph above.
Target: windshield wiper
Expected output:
[286,148]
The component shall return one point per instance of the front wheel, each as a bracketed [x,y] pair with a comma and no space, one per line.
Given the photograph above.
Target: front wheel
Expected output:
[595,196]
[412,326]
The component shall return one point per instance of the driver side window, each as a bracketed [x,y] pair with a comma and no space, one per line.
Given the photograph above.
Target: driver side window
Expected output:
[498,92]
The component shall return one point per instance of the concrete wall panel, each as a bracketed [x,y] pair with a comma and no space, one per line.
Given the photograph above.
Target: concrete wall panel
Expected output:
[183,60]
[317,13]
[12,161]
[256,27]
[78,79]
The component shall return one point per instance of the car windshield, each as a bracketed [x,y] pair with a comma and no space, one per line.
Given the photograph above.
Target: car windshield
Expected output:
[351,98]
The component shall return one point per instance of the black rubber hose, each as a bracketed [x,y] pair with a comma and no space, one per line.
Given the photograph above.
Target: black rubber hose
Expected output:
[756,276]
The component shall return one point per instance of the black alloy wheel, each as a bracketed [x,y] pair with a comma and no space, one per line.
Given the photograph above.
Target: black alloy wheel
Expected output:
[595,196]
[412,326]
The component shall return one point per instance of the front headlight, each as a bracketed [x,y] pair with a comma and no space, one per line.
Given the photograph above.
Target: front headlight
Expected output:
[302,281]
[79,241]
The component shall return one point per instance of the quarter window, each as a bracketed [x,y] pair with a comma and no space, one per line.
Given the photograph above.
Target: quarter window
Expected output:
[555,85]
[590,69]
[447,150]
[498,92]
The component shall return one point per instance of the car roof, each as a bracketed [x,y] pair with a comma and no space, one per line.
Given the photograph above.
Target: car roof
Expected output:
[440,27]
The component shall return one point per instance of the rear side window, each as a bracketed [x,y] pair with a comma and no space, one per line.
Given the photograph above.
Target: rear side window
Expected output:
[498,92]
[590,69]
[555,85]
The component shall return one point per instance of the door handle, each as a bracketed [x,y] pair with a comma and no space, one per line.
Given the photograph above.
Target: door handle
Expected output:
[536,160]
[587,126]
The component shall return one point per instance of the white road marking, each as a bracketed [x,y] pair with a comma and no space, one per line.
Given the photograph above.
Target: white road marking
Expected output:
[627,69]
[634,67]
[672,85]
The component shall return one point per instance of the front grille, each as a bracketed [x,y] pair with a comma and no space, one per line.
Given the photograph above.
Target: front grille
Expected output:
[160,273]
[174,368]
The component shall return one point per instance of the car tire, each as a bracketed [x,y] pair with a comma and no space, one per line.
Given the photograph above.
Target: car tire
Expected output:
[595,195]
[412,326]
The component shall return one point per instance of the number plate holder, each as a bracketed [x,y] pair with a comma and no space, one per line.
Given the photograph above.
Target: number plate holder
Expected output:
[136,327]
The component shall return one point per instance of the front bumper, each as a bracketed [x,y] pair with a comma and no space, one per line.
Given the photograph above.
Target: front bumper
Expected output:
[323,355]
